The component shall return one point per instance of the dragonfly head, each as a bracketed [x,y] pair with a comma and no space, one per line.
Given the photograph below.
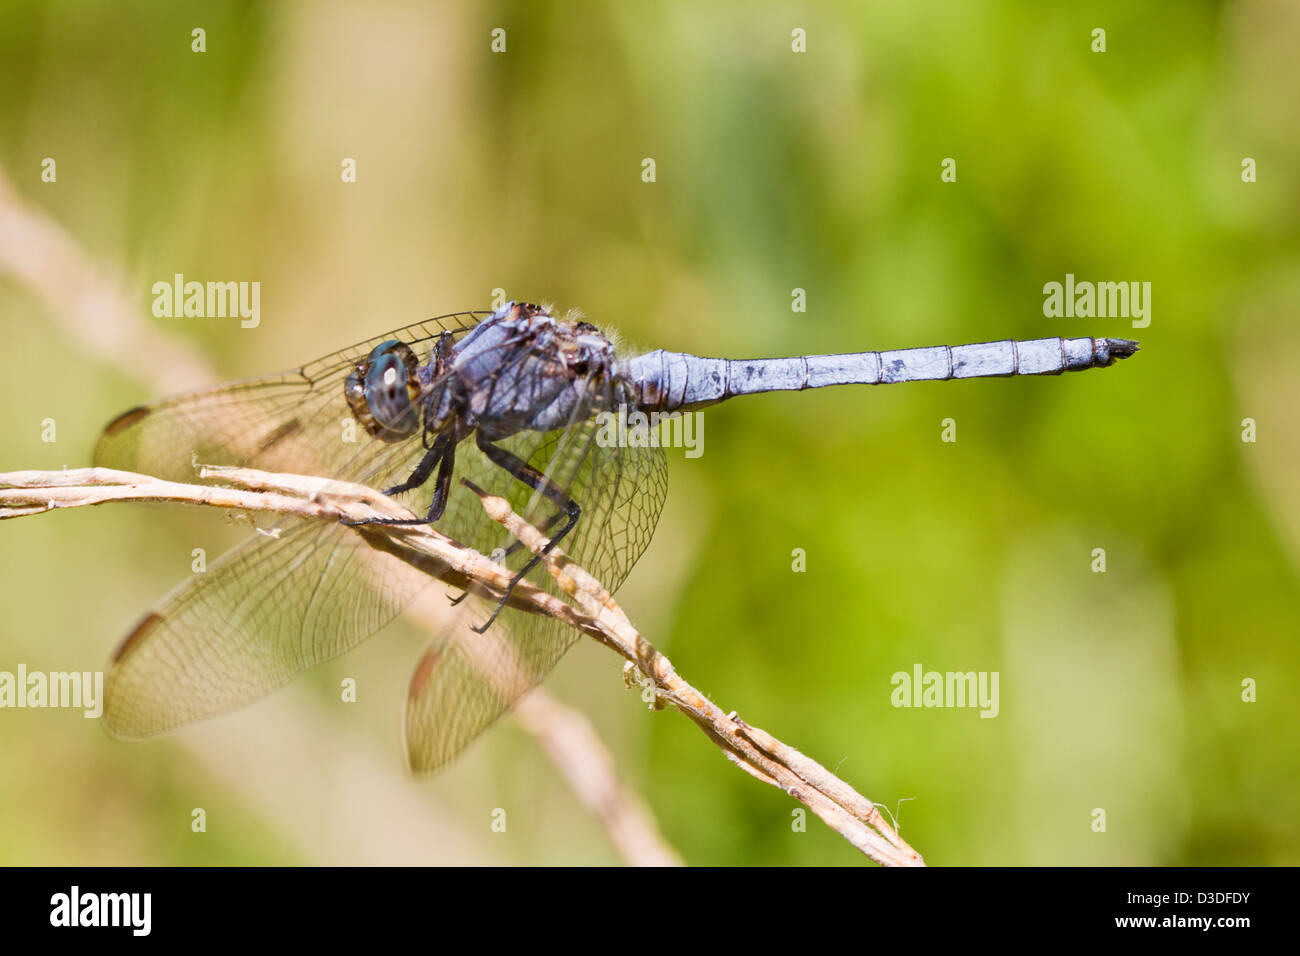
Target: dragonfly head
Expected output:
[384,392]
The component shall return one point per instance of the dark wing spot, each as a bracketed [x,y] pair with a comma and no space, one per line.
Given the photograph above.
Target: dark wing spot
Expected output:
[126,420]
[423,671]
[141,631]
[280,434]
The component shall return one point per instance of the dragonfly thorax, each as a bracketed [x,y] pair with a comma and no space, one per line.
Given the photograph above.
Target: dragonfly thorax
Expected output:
[522,369]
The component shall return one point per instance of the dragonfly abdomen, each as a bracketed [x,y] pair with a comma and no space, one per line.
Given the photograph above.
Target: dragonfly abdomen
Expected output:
[669,381]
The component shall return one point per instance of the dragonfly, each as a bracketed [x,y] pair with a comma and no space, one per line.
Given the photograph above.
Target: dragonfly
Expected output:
[512,401]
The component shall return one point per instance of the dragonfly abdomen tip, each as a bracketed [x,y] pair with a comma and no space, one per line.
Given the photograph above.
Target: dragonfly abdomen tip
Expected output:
[1121,348]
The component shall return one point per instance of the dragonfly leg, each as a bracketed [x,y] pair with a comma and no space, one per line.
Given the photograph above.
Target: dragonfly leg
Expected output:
[530,476]
[545,527]
[443,485]
[441,456]
[425,468]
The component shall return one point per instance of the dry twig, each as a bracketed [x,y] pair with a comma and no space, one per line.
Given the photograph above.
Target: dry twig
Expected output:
[594,611]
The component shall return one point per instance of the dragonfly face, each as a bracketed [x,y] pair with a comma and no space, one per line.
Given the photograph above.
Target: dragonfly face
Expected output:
[384,392]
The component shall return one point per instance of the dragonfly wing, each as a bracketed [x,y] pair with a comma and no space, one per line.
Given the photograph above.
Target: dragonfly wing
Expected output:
[294,421]
[465,681]
[258,617]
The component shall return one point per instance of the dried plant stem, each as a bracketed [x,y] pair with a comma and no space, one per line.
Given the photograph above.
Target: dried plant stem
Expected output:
[593,610]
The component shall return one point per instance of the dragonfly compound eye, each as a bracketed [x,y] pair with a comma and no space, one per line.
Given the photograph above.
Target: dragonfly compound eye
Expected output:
[384,392]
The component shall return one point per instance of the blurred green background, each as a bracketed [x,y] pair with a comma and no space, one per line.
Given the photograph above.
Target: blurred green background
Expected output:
[775,170]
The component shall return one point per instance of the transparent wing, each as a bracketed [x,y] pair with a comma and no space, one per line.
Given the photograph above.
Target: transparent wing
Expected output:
[257,618]
[465,681]
[294,421]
